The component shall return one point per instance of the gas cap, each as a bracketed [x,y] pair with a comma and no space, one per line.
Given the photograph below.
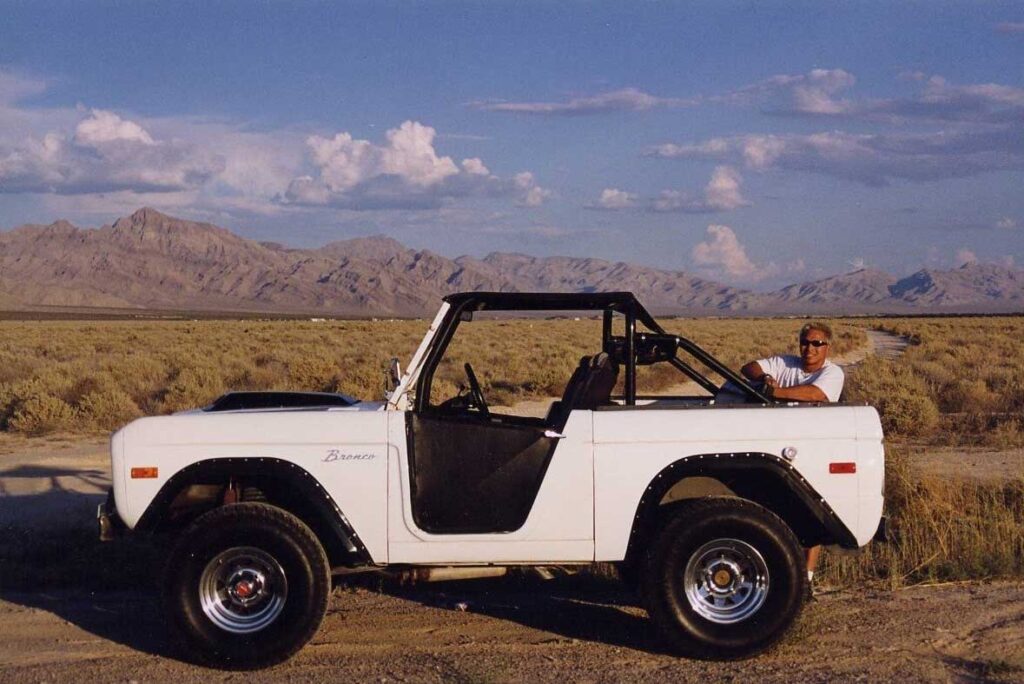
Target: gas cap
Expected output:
[789,453]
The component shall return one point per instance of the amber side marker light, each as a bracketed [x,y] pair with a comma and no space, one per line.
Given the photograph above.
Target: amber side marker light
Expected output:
[143,473]
[842,468]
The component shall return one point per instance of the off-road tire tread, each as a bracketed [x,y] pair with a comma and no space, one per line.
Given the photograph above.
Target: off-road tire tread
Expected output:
[683,514]
[258,514]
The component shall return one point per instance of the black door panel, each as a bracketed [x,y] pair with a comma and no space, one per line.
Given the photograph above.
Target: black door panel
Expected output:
[472,475]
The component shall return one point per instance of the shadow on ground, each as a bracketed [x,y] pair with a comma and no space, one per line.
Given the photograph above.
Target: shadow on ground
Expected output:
[582,606]
[51,559]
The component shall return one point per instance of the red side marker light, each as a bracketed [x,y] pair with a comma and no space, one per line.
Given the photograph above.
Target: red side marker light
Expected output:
[143,473]
[843,468]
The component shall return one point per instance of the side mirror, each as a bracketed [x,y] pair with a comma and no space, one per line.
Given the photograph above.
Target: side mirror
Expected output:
[394,374]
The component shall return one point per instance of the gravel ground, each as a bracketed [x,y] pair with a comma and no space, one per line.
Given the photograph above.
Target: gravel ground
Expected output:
[561,630]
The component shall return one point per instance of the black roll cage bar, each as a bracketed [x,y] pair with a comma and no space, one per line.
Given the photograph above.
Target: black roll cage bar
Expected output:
[632,349]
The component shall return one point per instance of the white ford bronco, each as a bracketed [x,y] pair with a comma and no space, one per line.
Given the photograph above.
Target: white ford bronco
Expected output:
[705,502]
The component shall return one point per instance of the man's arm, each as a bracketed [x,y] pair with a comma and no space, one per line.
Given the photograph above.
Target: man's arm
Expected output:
[799,393]
[753,371]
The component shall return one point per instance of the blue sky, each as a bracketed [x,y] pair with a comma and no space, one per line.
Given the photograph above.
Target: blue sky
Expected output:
[754,143]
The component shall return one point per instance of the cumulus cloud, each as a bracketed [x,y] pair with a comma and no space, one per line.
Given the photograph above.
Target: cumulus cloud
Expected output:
[624,100]
[613,199]
[964,256]
[106,127]
[404,172]
[722,253]
[104,154]
[722,193]
[870,158]
[1006,223]
[813,93]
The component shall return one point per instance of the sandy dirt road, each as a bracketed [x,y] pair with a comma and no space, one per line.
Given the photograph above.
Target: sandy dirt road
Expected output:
[568,629]
[563,630]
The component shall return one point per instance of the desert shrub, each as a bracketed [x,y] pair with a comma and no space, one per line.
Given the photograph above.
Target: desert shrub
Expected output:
[943,529]
[108,409]
[90,383]
[312,372]
[901,397]
[138,374]
[192,388]
[40,414]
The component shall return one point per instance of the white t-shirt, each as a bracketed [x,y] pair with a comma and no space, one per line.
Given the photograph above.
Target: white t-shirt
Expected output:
[788,372]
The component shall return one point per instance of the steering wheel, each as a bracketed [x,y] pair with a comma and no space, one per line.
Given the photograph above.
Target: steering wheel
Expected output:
[476,393]
[730,393]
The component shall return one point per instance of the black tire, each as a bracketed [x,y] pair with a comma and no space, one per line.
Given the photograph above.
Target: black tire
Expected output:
[275,596]
[745,572]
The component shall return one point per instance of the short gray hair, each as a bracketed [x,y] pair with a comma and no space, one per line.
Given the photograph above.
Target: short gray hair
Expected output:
[819,326]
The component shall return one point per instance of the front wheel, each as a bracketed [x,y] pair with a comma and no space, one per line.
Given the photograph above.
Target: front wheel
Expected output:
[724,578]
[246,586]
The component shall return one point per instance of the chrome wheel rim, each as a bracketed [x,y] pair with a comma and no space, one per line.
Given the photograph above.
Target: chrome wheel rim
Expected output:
[726,581]
[243,590]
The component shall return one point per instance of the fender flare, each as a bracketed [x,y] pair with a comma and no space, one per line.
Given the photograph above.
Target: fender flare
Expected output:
[319,510]
[715,465]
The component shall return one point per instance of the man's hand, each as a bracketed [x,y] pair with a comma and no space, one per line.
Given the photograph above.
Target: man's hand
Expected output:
[770,385]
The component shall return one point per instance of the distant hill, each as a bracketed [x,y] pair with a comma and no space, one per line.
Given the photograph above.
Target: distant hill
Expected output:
[151,260]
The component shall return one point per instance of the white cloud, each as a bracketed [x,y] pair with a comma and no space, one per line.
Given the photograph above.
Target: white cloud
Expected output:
[406,172]
[796,266]
[624,100]
[106,127]
[870,158]
[1006,223]
[613,199]
[531,194]
[723,190]
[722,253]
[813,93]
[105,154]
[857,263]
[475,166]
[964,256]
[722,193]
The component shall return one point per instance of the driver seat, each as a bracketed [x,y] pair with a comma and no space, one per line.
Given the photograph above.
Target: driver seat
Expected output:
[590,386]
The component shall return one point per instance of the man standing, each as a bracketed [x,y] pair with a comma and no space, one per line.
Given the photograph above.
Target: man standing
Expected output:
[807,377]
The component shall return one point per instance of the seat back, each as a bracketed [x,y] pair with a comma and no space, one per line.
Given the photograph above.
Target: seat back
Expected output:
[590,386]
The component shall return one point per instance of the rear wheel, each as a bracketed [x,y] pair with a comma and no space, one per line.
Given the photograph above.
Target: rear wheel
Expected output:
[724,578]
[246,586]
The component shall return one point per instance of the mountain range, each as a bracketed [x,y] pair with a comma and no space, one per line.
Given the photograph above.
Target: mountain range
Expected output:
[153,261]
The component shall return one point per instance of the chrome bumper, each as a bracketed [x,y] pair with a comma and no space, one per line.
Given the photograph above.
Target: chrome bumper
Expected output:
[108,522]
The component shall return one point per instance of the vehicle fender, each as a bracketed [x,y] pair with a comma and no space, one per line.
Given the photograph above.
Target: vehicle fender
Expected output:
[286,484]
[746,474]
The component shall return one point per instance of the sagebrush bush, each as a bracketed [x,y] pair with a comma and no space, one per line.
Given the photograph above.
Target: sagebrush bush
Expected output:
[108,409]
[192,387]
[41,414]
[942,529]
[901,397]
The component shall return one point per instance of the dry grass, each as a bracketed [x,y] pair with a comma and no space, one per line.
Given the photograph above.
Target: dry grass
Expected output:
[58,376]
[961,382]
[943,530]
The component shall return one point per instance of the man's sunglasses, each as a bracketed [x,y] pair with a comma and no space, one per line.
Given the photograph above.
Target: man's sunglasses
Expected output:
[813,343]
